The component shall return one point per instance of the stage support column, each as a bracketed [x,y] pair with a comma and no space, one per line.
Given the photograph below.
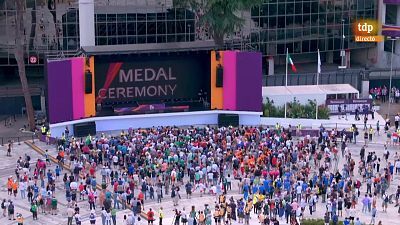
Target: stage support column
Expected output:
[217,100]
[90,99]
[86,23]
[365,89]
[43,101]
[271,66]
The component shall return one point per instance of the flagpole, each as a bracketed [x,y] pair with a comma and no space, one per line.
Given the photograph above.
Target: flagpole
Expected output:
[318,72]
[286,79]
[319,67]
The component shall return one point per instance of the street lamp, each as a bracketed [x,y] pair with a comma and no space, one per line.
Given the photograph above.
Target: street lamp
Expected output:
[393,39]
[189,32]
[342,53]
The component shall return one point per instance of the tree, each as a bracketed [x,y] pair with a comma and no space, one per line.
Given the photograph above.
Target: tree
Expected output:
[220,16]
[19,56]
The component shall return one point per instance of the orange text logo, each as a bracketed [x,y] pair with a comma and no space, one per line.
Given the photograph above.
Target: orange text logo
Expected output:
[366,31]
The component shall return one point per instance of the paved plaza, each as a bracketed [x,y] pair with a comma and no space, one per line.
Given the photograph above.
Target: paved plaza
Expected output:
[8,166]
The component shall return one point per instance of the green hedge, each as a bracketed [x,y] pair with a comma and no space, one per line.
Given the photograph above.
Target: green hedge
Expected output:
[317,222]
[295,110]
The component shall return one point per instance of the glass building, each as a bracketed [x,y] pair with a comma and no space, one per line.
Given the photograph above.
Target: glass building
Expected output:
[125,26]
[301,26]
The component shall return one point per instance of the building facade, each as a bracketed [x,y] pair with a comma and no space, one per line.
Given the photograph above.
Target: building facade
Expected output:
[299,26]
[390,19]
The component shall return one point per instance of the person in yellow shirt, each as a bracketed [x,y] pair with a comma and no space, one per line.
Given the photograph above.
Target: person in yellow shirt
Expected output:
[160,215]
[43,130]
[370,133]
[48,135]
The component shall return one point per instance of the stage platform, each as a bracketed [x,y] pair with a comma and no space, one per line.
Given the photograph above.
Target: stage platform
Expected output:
[113,123]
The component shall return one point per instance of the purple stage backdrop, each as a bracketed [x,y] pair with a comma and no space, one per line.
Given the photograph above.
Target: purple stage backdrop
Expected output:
[249,81]
[59,91]
[391,31]
[395,2]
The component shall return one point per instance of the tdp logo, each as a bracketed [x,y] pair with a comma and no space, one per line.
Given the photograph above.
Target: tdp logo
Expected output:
[366,30]
[365,27]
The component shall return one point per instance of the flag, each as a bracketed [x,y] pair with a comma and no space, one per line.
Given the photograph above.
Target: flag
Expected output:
[291,63]
[319,63]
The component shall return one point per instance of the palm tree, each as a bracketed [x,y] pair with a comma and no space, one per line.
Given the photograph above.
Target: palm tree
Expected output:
[19,56]
[220,16]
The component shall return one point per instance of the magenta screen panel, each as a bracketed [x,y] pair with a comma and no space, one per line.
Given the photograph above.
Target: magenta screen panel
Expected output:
[59,91]
[229,80]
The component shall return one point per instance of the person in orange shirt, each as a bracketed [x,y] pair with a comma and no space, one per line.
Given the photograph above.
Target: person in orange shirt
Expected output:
[9,185]
[15,188]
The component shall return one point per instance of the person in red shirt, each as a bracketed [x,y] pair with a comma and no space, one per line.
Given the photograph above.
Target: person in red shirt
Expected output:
[81,191]
[150,216]
[141,198]
[92,171]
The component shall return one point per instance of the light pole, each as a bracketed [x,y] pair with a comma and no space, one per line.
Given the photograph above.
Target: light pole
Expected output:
[189,32]
[391,72]
[342,53]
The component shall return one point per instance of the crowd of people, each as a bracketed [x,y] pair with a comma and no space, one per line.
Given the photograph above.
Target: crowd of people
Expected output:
[382,93]
[279,177]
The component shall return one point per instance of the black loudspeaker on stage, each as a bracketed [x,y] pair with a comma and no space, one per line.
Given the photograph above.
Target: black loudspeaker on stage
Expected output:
[220,76]
[88,82]
[84,129]
[226,120]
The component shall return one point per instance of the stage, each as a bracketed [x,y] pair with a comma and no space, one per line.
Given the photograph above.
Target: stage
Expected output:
[114,92]
[117,123]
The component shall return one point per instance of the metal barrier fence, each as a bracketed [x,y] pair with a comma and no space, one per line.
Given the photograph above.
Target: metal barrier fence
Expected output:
[18,139]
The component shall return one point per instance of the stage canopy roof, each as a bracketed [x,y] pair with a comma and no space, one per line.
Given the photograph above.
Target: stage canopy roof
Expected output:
[304,93]
[327,89]
[149,48]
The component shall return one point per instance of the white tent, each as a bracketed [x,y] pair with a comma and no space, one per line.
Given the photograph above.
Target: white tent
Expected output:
[303,93]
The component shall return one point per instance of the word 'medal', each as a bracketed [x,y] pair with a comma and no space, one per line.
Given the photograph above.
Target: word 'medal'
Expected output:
[148,74]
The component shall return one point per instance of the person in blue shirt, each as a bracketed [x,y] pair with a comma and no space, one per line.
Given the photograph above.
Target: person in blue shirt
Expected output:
[341,184]
[391,168]
[35,191]
[286,185]
[304,186]
[266,183]
[93,183]
[131,169]
[254,189]
[335,219]
[278,183]
[49,176]
[246,190]
[261,189]
[287,175]
[58,171]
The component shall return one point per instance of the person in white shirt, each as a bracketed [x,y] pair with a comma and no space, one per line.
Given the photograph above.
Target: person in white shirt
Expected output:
[108,218]
[78,219]
[70,215]
[131,219]
[22,188]
[397,165]
[115,161]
